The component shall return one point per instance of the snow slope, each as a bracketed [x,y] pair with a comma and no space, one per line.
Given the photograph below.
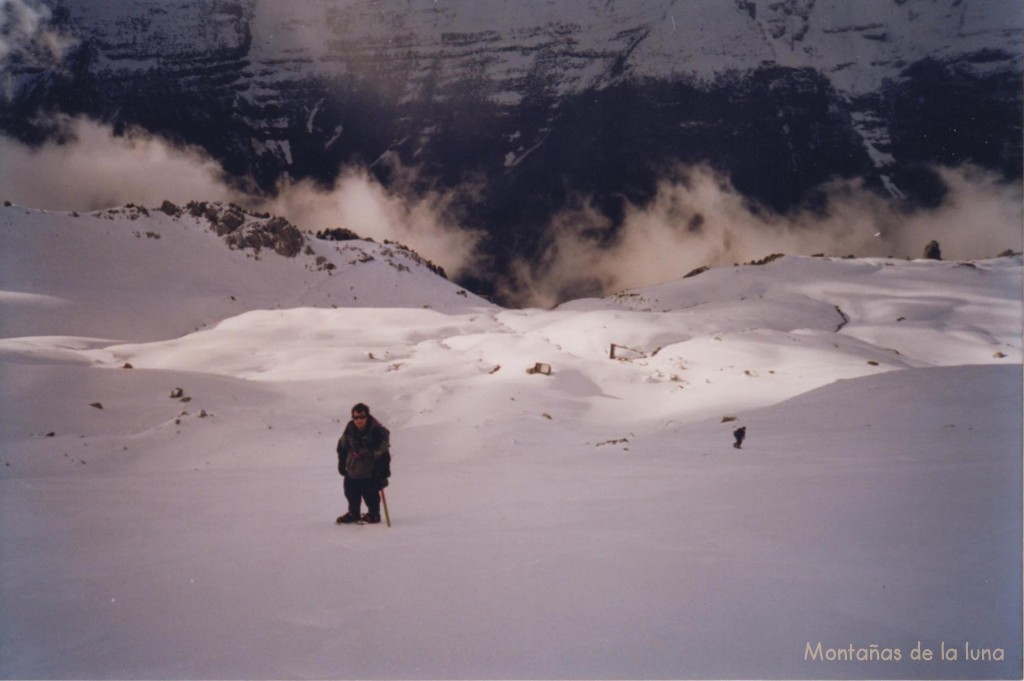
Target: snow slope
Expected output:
[595,522]
[129,274]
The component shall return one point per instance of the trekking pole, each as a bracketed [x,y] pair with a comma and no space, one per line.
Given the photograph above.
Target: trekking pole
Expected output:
[384,501]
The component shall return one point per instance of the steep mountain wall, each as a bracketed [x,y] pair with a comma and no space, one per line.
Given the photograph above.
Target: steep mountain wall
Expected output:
[541,105]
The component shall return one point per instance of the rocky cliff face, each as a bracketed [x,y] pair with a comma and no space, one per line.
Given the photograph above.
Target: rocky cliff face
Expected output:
[544,104]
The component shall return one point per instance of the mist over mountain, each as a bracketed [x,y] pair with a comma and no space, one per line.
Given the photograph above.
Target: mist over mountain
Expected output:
[544,128]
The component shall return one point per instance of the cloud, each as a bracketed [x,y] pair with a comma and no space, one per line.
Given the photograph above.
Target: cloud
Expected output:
[981,217]
[420,220]
[698,219]
[96,169]
[27,36]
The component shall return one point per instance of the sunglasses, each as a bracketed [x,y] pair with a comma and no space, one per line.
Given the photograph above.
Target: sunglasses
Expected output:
[360,417]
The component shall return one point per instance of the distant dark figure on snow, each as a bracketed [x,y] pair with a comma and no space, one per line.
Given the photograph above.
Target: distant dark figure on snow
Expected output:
[739,434]
[364,459]
[932,251]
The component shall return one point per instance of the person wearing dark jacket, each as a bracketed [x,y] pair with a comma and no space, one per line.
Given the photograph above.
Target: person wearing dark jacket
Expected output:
[364,460]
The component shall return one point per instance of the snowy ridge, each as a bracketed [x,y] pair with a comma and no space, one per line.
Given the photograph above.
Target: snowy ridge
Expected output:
[138,256]
[595,522]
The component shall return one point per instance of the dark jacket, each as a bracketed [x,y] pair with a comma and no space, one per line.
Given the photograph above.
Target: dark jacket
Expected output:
[365,454]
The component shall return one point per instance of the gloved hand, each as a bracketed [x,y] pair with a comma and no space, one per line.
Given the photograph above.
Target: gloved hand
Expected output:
[381,482]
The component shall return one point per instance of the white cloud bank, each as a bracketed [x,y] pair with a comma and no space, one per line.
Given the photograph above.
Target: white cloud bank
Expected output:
[696,219]
[98,169]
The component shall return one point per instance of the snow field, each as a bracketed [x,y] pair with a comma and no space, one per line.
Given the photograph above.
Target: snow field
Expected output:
[593,523]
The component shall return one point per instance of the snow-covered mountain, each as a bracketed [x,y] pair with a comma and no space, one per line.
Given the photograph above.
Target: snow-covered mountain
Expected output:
[531,108]
[592,521]
[168,271]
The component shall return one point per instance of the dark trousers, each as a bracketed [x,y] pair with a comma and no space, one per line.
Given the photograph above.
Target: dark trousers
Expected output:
[362,489]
